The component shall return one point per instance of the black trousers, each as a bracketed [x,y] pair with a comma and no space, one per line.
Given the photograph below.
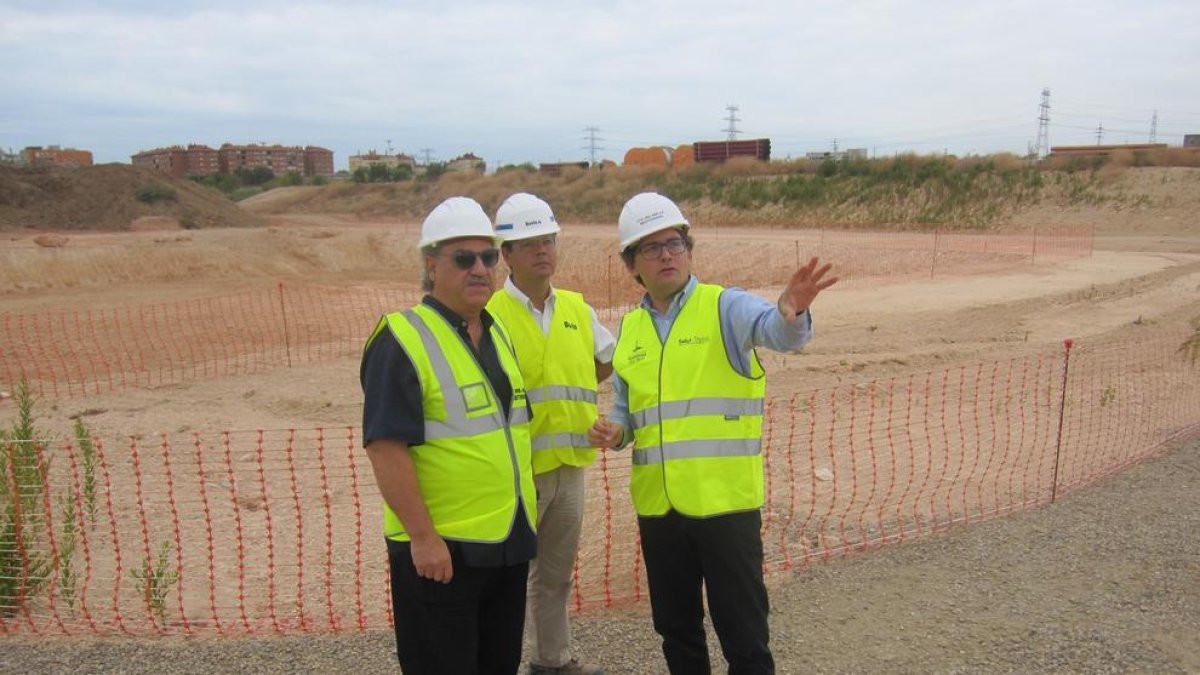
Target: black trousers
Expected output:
[724,554]
[470,626]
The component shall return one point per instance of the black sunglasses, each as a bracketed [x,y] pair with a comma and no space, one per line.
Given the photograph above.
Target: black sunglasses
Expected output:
[465,259]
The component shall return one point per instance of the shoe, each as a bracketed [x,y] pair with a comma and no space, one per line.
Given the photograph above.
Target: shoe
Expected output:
[572,667]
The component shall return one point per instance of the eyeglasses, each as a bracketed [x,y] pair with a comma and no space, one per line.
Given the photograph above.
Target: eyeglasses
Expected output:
[653,250]
[536,243]
[465,260]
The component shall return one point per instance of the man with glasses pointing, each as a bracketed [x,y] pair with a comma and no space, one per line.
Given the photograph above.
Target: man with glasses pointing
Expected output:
[564,352]
[688,392]
[446,427]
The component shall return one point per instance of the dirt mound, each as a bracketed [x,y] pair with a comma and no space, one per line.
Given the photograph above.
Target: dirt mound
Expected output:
[109,197]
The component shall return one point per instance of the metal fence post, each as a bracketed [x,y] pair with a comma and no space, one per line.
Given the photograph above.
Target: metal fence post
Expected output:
[1062,410]
[287,342]
[933,258]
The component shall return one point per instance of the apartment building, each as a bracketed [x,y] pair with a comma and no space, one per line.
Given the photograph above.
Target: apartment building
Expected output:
[466,162]
[372,158]
[55,156]
[201,160]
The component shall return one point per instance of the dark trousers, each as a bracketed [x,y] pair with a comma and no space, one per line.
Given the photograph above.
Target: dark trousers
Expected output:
[469,626]
[723,554]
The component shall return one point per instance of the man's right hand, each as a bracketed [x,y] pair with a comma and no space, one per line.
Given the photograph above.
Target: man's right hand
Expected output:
[431,558]
[606,434]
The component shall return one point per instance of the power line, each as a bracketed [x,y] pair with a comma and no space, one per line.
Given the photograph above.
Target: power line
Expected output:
[1125,107]
[428,152]
[733,119]
[591,147]
[1093,116]
[1043,135]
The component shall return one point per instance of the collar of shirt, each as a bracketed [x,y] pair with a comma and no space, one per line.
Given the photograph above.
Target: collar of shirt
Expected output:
[459,323]
[517,293]
[676,302]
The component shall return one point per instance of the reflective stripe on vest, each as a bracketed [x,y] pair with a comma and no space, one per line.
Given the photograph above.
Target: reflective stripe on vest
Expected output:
[697,421]
[561,393]
[735,447]
[729,407]
[458,424]
[564,440]
[474,464]
[560,375]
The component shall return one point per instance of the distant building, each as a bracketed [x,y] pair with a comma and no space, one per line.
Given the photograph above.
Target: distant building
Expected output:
[556,168]
[201,160]
[1191,141]
[56,156]
[467,162]
[171,161]
[1103,150]
[373,158]
[318,161]
[837,155]
[279,159]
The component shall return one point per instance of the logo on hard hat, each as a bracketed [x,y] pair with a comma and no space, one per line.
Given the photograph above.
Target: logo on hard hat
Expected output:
[653,216]
[505,226]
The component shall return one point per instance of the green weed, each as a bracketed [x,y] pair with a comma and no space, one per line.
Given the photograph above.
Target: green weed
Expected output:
[156,578]
[24,565]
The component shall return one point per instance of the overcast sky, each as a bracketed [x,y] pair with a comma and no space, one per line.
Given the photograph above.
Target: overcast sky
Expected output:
[521,81]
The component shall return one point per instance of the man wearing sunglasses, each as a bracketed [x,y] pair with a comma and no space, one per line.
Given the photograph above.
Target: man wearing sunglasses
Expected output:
[564,352]
[688,393]
[446,427]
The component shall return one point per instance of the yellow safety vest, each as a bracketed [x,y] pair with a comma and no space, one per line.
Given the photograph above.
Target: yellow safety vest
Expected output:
[474,464]
[697,422]
[560,376]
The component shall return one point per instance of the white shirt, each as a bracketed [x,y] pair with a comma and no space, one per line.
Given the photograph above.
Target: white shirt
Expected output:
[602,338]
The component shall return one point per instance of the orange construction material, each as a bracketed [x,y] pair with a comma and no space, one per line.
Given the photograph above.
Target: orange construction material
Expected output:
[684,157]
[655,156]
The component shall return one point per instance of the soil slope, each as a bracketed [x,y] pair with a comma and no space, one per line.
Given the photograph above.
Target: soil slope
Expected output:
[104,197]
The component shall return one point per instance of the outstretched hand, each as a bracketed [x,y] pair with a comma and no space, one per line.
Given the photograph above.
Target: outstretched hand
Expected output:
[803,288]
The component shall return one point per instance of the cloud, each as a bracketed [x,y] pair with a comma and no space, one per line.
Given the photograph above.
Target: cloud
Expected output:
[521,80]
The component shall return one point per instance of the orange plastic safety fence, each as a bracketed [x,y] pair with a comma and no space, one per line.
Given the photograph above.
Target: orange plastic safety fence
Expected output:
[64,354]
[278,531]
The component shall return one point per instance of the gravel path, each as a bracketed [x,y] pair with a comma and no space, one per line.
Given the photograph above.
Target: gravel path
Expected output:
[1105,581]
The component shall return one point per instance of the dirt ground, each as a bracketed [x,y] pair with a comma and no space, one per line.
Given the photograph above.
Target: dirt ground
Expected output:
[864,332]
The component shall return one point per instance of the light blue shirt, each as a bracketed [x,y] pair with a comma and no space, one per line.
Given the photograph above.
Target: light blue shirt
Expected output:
[747,321]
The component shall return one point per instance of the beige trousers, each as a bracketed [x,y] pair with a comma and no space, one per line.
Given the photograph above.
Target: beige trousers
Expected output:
[560,518]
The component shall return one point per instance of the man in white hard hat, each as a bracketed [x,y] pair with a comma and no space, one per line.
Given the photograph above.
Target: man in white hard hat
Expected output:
[446,426]
[564,352]
[689,392]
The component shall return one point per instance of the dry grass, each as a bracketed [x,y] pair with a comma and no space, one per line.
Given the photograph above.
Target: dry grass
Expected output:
[903,192]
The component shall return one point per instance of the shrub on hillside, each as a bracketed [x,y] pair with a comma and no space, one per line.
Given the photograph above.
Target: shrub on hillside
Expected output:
[256,176]
[290,179]
[155,192]
[244,192]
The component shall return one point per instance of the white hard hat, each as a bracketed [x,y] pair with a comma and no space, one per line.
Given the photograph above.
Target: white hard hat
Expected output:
[454,218]
[522,216]
[646,214]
